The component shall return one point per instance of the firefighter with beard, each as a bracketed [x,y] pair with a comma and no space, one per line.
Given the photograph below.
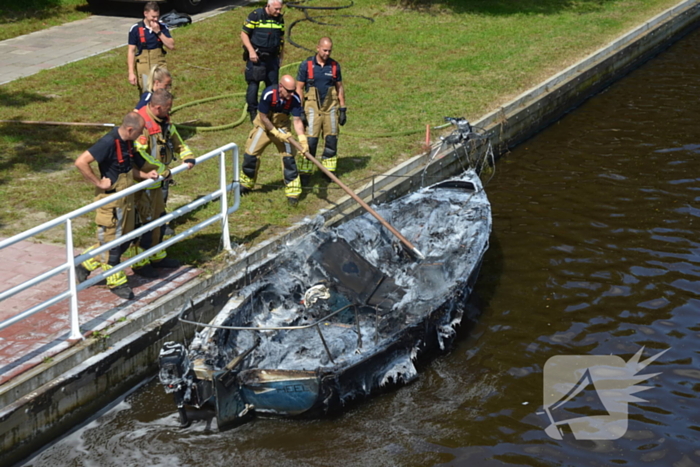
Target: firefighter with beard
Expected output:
[159,144]
[320,86]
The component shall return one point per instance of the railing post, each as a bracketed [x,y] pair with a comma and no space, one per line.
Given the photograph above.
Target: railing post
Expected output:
[74,319]
[226,237]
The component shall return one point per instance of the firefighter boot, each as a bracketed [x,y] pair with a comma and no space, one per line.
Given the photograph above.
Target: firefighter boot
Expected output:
[83,270]
[329,159]
[123,291]
[143,268]
[118,284]
[249,173]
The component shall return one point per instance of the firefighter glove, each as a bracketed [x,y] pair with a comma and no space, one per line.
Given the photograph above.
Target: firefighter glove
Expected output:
[343,117]
[190,161]
[304,143]
[281,134]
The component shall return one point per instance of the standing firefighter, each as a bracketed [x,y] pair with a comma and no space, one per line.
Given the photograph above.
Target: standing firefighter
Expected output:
[158,144]
[272,126]
[263,41]
[118,165]
[147,42]
[320,85]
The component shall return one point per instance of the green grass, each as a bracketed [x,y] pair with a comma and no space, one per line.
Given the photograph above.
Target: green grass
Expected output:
[19,17]
[415,63]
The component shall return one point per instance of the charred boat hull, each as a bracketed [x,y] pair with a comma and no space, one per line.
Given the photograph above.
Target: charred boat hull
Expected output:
[342,313]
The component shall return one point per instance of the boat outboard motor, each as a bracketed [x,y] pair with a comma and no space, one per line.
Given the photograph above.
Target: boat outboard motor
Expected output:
[174,366]
[463,133]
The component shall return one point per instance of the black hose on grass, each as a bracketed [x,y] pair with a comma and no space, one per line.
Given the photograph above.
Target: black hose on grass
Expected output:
[305,9]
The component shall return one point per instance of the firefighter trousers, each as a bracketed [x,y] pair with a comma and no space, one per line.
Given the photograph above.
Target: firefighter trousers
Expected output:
[150,205]
[258,140]
[113,220]
[322,122]
[145,61]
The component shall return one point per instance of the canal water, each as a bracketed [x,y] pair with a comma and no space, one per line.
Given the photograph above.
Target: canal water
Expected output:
[595,252]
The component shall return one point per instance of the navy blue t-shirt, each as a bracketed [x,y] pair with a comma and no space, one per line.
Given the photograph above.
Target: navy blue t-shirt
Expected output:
[285,106]
[106,154]
[152,41]
[145,98]
[323,75]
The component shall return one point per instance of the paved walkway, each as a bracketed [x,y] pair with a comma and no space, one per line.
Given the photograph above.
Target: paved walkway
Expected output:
[29,342]
[59,45]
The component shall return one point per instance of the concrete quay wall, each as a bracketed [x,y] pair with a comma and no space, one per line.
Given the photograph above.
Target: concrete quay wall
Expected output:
[49,400]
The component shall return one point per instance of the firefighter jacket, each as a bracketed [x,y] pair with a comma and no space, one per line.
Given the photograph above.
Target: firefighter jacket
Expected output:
[159,144]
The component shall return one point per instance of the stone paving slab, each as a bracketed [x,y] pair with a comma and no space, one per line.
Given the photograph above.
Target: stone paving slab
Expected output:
[28,343]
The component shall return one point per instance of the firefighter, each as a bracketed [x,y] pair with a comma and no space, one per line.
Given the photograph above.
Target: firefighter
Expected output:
[158,144]
[271,125]
[320,86]
[118,164]
[263,44]
[147,41]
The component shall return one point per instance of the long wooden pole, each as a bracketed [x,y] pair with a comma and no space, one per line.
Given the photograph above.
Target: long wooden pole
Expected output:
[32,122]
[360,201]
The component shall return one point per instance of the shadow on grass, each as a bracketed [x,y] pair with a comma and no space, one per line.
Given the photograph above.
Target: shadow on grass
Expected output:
[20,98]
[202,248]
[12,11]
[504,7]
[41,148]
[322,185]
[25,7]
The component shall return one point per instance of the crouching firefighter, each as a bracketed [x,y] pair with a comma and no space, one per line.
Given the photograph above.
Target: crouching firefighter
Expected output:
[118,164]
[271,125]
[158,144]
[320,85]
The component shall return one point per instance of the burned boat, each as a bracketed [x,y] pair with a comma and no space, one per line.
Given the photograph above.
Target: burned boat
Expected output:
[342,312]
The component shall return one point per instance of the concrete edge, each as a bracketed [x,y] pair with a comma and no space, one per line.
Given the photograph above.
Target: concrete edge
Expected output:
[45,409]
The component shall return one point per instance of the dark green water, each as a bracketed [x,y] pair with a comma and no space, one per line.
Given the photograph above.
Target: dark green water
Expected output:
[594,252]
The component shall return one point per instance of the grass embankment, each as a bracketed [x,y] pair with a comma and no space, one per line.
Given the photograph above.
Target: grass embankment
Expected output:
[19,17]
[412,65]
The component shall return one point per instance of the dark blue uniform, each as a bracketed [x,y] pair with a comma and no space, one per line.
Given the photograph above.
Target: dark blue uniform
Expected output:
[115,156]
[266,35]
[151,39]
[323,76]
[275,104]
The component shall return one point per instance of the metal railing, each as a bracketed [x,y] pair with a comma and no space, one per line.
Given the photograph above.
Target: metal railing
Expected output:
[72,262]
